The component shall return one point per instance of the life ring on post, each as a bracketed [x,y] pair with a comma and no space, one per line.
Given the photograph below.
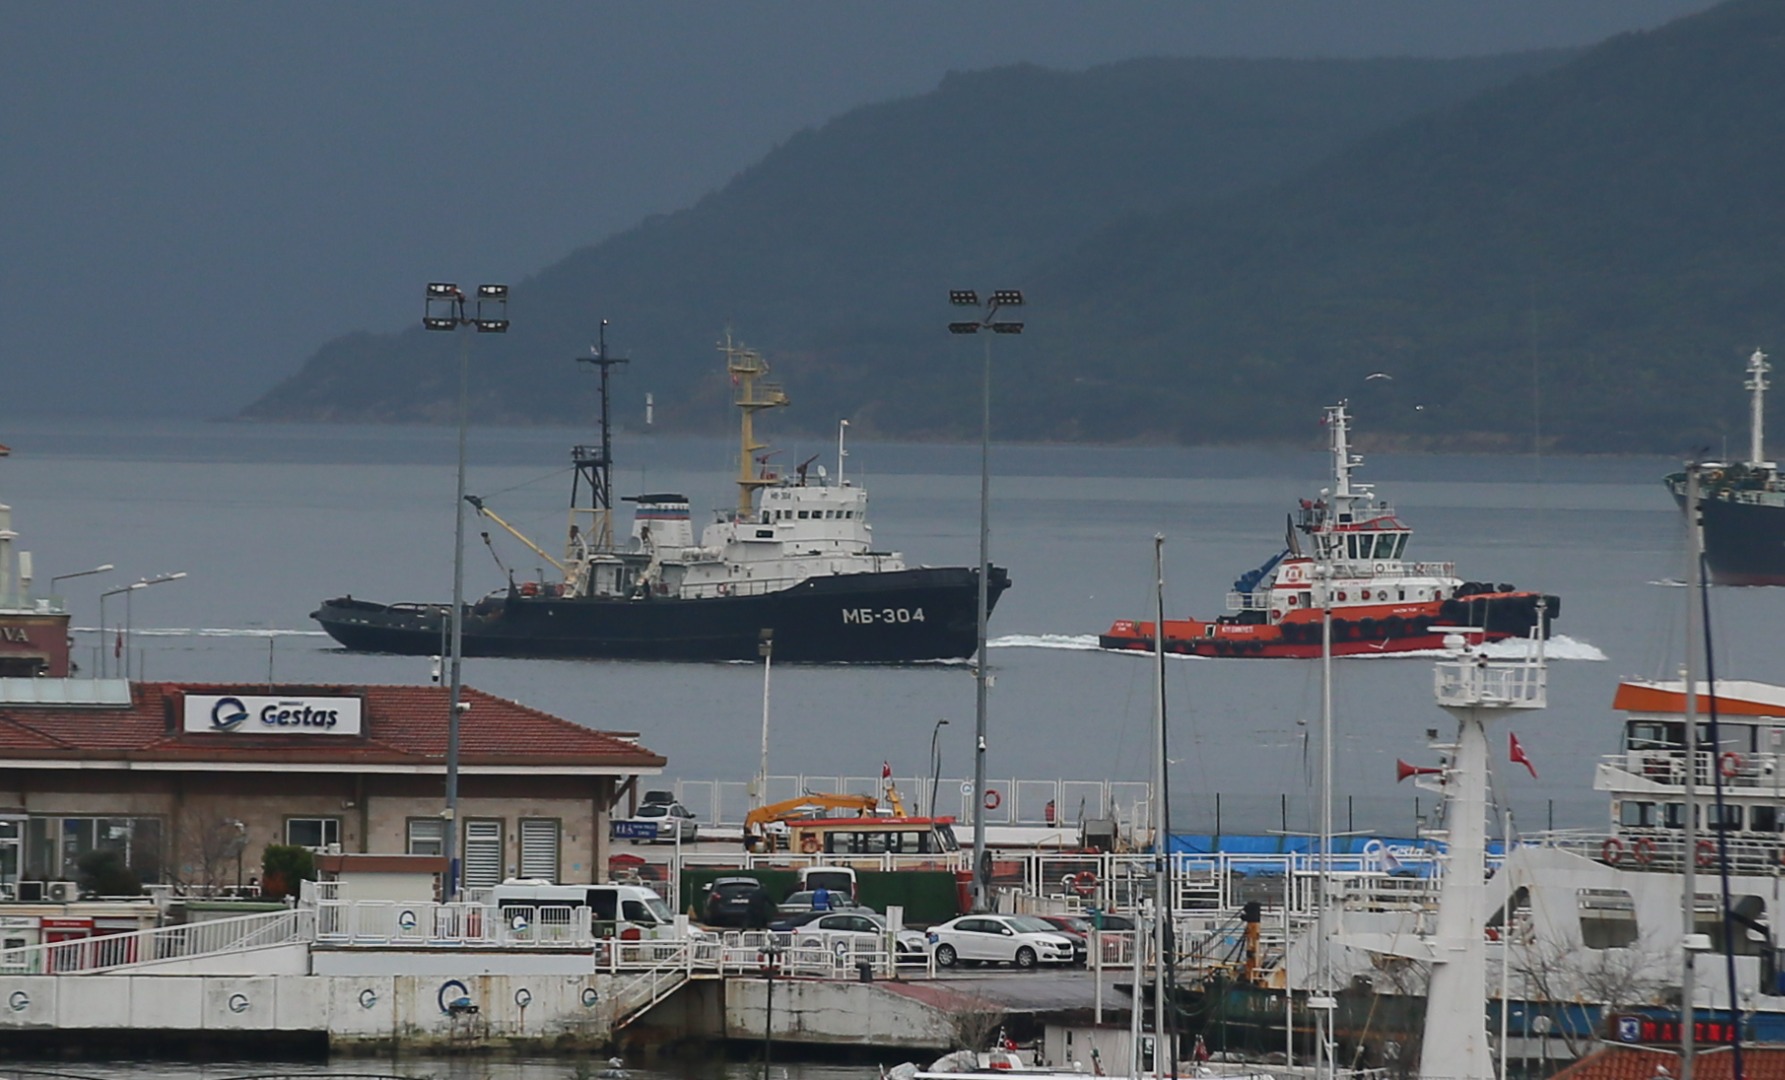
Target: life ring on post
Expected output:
[1084,883]
[1643,851]
[993,800]
[1612,851]
[809,844]
[1706,851]
[1731,764]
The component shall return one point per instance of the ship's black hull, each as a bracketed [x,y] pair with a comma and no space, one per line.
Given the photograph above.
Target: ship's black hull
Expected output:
[893,617]
[1744,534]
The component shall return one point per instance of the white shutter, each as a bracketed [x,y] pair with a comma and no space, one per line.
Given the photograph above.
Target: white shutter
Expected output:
[539,848]
[483,854]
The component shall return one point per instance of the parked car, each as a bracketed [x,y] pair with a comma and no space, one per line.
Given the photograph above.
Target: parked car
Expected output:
[1104,920]
[1075,929]
[801,902]
[1023,940]
[668,819]
[859,927]
[738,901]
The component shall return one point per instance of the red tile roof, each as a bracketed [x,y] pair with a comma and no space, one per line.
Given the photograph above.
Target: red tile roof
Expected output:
[1650,1063]
[401,725]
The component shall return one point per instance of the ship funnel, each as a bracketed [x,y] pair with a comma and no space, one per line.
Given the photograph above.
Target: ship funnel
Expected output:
[661,522]
[1404,770]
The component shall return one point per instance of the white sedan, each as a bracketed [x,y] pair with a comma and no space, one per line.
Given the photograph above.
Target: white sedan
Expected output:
[1023,940]
[863,930]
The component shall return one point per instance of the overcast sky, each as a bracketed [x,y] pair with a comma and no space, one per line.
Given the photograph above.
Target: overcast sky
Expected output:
[193,197]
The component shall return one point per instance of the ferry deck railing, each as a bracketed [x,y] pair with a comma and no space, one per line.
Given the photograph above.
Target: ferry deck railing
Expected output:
[188,941]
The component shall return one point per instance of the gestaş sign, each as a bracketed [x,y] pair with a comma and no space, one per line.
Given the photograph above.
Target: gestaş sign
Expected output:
[251,714]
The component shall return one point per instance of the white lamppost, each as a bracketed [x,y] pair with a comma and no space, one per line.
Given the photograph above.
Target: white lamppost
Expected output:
[130,591]
[765,647]
[445,310]
[1001,298]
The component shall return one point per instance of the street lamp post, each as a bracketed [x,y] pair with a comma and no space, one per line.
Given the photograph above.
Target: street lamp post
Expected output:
[130,591]
[765,647]
[1000,298]
[935,763]
[79,573]
[445,310]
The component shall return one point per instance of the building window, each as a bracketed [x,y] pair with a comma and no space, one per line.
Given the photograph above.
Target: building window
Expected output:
[539,848]
[54,845]
[313,832]
[426,836]
[483,853]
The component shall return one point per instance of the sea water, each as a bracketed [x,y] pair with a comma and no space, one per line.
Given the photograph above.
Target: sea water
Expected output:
[267,520]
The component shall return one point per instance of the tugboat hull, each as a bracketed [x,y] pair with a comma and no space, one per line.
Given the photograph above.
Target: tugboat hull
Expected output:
[891,617]
[1358,632]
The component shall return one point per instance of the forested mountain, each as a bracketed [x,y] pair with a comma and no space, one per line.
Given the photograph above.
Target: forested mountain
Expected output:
[834,253]
[1597,246]
[1581,248]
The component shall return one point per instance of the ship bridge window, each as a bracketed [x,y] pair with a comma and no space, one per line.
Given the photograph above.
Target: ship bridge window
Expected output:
[1607,918]
[1763,819]
[1637,815]
[1674,815]
[1385,546]
[1726,818]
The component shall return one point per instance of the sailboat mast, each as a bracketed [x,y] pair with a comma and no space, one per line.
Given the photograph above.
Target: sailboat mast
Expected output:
[1322,1000]
[1161,810]
[1689,845]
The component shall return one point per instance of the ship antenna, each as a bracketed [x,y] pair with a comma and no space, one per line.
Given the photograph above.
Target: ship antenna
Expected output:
[594,467]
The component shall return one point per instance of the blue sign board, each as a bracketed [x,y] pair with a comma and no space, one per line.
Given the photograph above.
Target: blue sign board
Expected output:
[635,830]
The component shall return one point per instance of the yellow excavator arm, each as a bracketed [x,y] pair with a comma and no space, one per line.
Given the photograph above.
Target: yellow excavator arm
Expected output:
[757,820]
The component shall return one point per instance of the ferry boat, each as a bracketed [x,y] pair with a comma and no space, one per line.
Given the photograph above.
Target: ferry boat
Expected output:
[793,565]
[1380,602]
[1742,504]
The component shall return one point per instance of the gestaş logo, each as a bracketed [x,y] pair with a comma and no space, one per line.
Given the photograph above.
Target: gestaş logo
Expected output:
[228,714]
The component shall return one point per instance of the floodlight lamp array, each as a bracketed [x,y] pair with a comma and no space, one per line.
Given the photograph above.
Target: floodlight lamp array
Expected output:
[963,328]
[963,297]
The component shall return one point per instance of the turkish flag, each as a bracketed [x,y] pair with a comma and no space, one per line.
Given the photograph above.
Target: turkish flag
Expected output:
[1517,754]
[886,770]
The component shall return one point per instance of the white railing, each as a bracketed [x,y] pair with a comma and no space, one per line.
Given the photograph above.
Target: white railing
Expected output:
[1477,681]
[185,942]
[1742,773]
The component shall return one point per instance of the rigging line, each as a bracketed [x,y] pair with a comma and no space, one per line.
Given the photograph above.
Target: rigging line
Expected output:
[1728,913]
[557,474]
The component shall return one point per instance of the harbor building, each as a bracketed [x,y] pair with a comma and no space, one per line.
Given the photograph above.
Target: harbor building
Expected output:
[190,783]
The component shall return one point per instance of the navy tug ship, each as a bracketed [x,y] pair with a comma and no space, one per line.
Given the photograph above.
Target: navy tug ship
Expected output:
[795,559]
[1742,503]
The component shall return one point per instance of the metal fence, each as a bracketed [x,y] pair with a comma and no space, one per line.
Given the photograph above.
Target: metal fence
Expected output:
[188,941]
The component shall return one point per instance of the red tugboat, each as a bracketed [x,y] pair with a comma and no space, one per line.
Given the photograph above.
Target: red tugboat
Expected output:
[1380,604]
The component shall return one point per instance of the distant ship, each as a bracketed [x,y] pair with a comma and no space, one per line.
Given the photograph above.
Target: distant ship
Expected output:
[1380,603]
[793,564]
[1742,505]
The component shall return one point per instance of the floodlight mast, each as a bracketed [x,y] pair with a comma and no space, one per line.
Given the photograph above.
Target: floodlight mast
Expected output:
[1001,298]
[446,310]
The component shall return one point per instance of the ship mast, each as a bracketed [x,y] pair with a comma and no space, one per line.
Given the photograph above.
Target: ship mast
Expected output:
[594,468]
[1756,385]
[1476,691]
[746,367]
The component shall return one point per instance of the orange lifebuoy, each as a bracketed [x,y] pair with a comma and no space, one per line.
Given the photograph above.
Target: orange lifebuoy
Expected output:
[809,844]
[1706,850]
[1612,851]
[1731,764]
[1643,851]
[1084,883]
[992,799]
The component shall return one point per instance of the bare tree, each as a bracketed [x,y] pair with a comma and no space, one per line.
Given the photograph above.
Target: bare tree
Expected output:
[974,1022]
[207,853]
[1615,978]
